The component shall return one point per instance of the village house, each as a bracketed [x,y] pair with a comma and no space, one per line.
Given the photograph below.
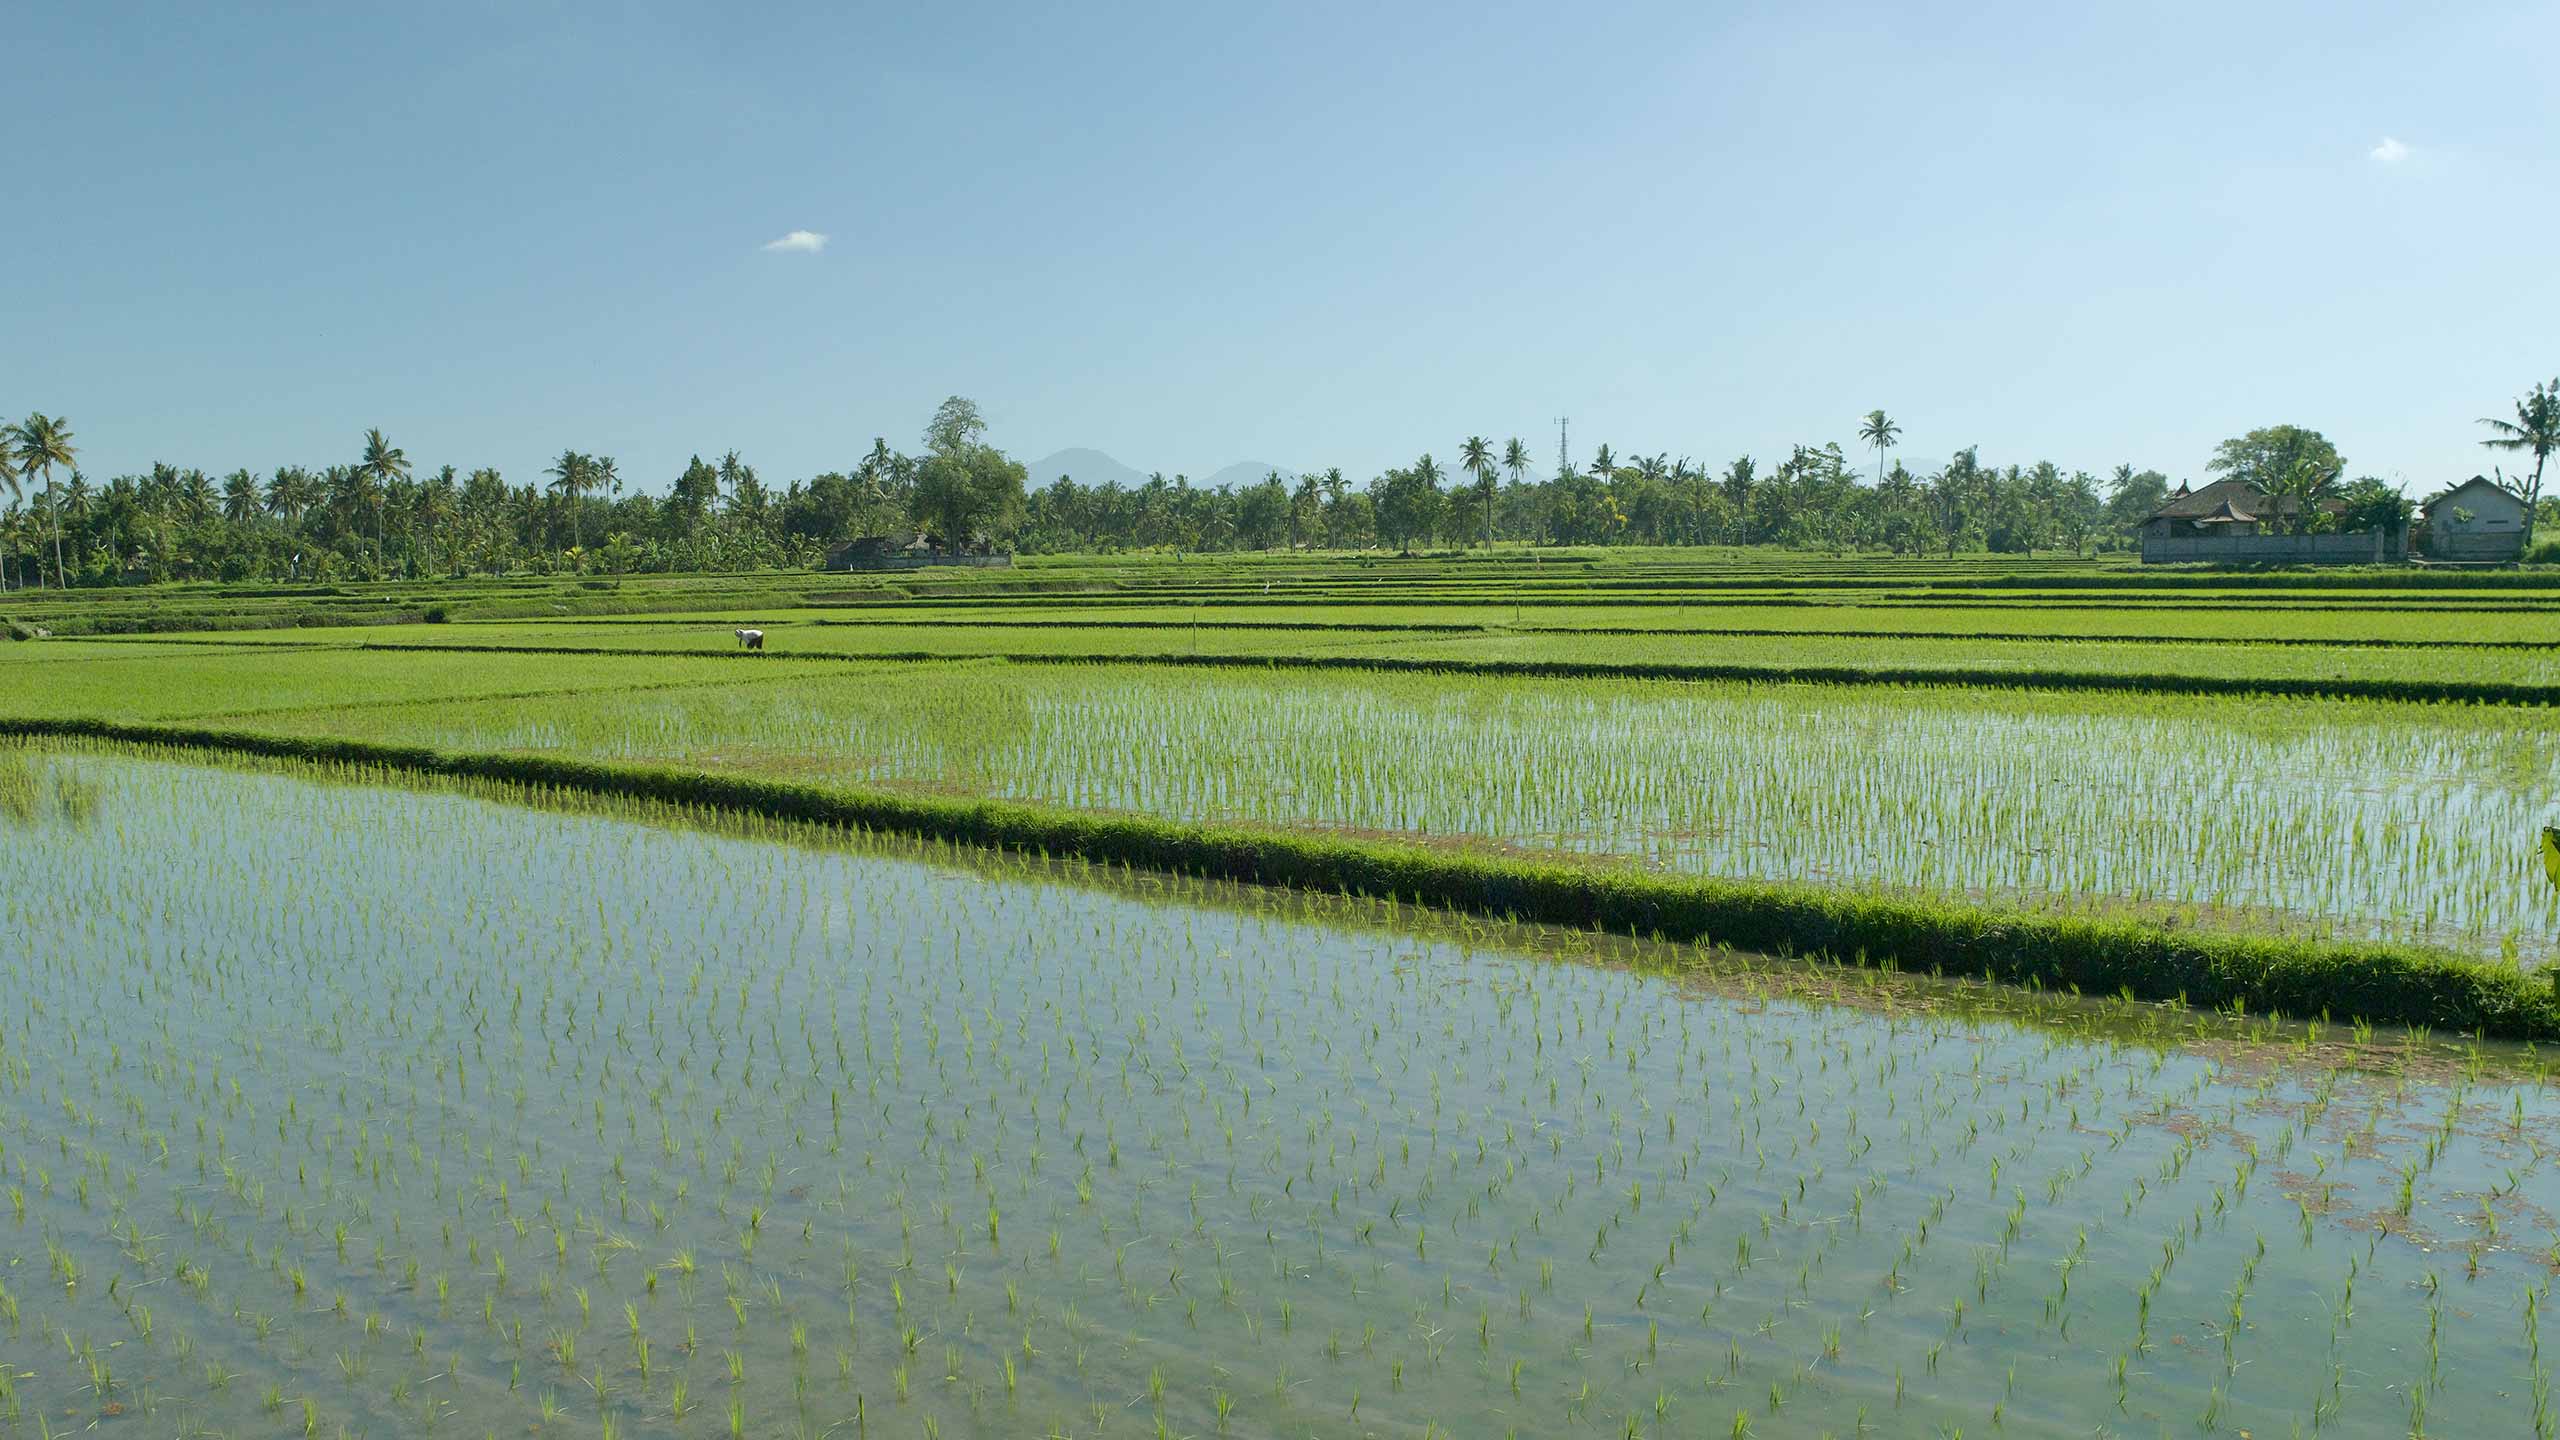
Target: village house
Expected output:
[2231,522]
[2478,519]
[906,552]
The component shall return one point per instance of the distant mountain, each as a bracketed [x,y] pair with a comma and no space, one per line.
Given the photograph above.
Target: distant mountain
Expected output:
[1089,467]
[1243,473]
[1093,467]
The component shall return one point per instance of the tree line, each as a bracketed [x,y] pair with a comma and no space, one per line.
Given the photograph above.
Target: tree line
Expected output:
[376,516]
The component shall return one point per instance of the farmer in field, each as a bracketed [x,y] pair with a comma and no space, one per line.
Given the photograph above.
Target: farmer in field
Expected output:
[751,639]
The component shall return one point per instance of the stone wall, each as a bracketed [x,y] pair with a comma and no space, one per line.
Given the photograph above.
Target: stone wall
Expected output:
[2371,547]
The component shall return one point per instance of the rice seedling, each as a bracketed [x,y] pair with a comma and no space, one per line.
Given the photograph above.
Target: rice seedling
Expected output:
[1286,1159]
[2113,804]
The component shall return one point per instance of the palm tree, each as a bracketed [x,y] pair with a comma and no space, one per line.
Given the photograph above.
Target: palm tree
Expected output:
[17,491]
[1477,456]
[437,502]
[728,476]
[159,489]
[291,492]
[382,465]
[2534,431]
[569,475]
[240,497]
[17,530]
[1427,475]
[2308,481]
[43,442]
[1879,431]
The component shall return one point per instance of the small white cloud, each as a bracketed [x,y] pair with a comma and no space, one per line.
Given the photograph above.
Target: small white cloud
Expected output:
[806,242]
[2389,152]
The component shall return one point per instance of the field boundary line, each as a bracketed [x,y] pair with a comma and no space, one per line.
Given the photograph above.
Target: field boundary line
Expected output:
[1335,599]
[2303,687]
[1741,632]
[645,687]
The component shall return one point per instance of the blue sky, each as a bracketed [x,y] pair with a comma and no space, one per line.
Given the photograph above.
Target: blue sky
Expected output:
[1310,234]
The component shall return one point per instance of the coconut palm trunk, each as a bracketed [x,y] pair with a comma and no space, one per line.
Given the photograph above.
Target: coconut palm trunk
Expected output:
[44,442]
[2534,431]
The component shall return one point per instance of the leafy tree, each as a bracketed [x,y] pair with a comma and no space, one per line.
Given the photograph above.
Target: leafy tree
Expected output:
[2371,505]
[697,490]
[1306,509]
[2274,457]
[2078,510]
[1350,516]
[966,490]
[2133,496]
[1582,511]
[1262,513]
[2534,431]
[955,425]
[1961,496]
[179,521]
[1408,503]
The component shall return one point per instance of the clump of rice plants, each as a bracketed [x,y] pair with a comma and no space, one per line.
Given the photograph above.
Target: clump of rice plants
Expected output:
[2353,820]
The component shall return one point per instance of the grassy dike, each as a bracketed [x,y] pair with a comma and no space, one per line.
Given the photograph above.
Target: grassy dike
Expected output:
[2341,688]
[2383,983]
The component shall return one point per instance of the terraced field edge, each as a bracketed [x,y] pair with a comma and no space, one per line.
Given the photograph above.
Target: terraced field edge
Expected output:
[2382,983]
[2464,692]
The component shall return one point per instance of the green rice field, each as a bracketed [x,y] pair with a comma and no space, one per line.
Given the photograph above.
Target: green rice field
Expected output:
[393,1098]
[2354,818]
[2035,748]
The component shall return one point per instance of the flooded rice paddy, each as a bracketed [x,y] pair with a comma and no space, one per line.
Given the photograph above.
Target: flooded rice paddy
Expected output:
[335,1109]
[2342,819]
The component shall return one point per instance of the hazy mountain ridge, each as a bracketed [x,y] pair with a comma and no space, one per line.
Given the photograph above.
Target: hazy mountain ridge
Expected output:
[1092,467]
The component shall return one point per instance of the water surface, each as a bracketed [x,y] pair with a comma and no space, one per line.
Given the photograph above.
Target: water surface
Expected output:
[436,1113]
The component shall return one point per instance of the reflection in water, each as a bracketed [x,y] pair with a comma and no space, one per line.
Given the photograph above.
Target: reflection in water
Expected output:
[426,1111]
